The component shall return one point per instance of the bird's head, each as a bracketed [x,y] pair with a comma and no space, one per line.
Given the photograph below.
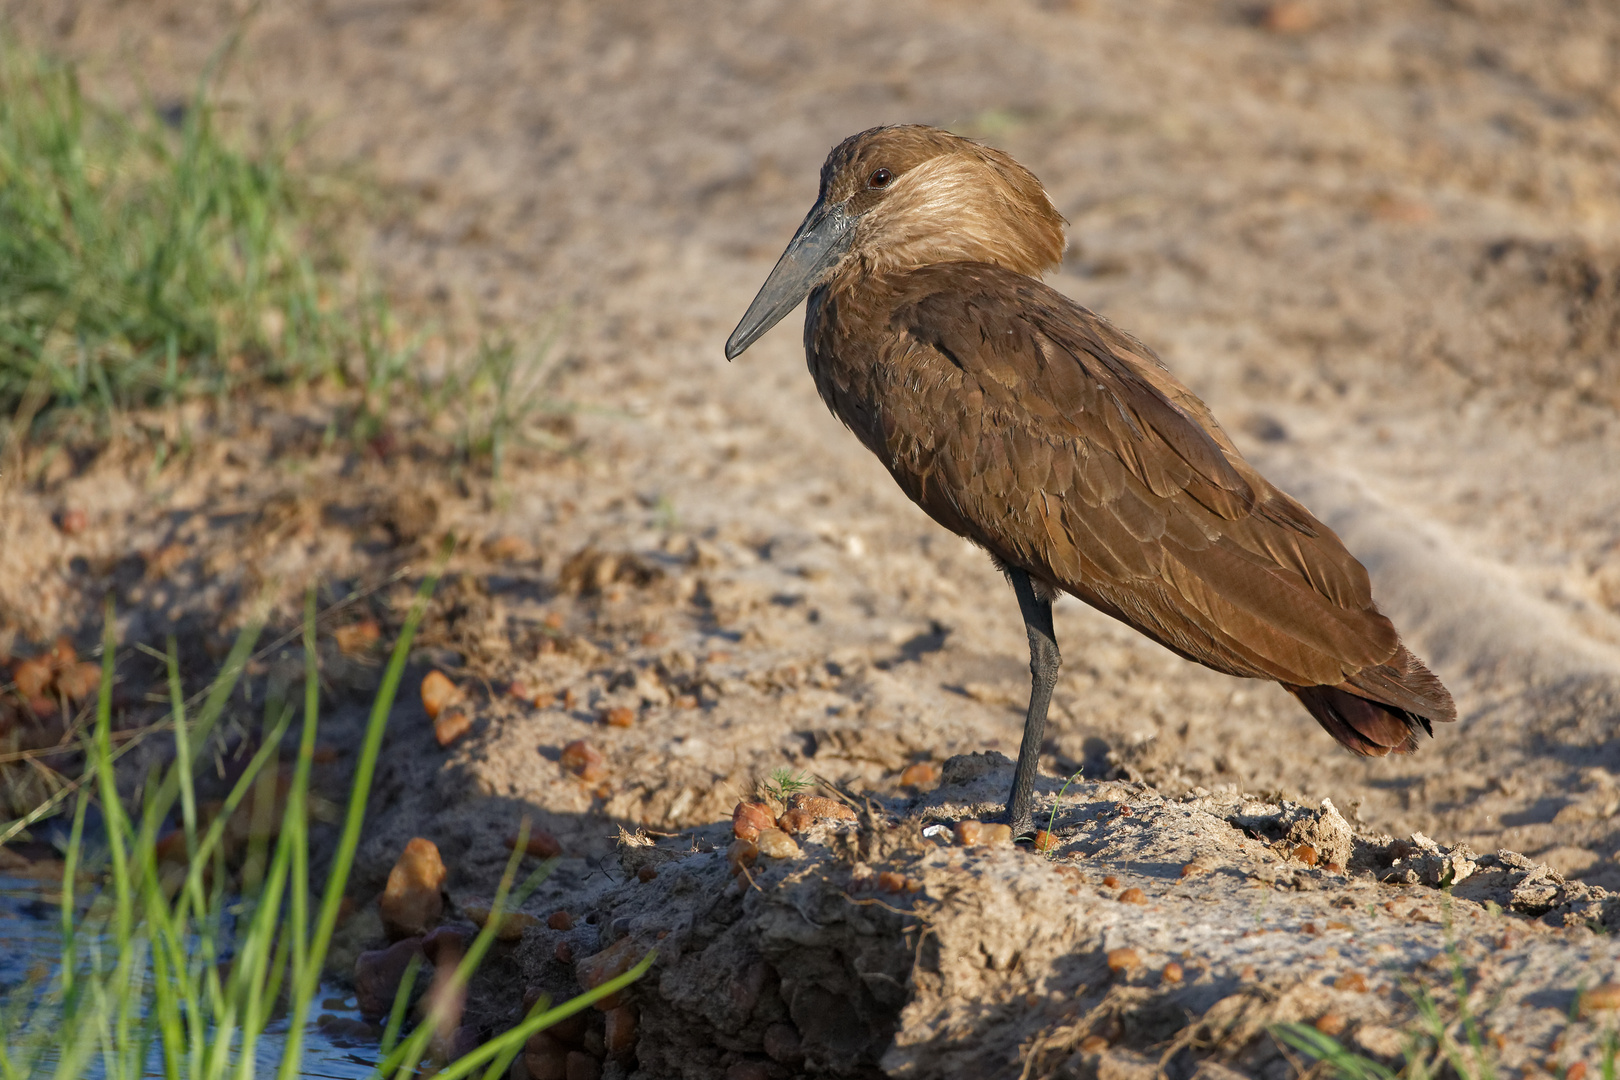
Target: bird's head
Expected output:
[897,198]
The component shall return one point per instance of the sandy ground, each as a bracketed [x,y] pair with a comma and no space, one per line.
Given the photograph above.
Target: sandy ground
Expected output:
[1381,239]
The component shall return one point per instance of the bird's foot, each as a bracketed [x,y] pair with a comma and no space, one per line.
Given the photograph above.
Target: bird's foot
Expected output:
[1022,825]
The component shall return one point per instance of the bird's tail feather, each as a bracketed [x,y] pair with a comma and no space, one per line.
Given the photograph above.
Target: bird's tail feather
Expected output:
[1381,709]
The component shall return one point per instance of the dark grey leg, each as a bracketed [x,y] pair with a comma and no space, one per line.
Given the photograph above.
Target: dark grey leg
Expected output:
[1043,671]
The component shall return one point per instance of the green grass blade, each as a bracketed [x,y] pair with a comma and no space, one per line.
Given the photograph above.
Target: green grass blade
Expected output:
[365,769]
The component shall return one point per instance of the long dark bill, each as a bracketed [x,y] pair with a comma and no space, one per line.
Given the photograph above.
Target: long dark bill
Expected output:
[815,249]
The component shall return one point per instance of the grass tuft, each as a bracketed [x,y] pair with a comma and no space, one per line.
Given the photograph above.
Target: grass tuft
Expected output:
[141,260]
[164,972]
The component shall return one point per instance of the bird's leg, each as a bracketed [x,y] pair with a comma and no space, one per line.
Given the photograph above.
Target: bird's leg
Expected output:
[1043,671]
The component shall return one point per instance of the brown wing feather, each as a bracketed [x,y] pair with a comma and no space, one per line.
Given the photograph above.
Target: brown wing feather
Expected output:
[1033,427]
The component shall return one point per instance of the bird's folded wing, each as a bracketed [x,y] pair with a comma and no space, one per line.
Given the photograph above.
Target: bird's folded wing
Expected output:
[1065,447]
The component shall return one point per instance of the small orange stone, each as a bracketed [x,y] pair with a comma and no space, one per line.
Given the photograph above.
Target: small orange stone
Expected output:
[357,637]
[1133,895]
[1576,1071]
[541,844]
[1123,960]
[583,760]
[80,681]
[795,821]
[619,716]
[1110,881]
[1172,972]
[821,808]
[33,677]
[1091,1044]
[411,904]
[889,881]
[1305,854]
[1353,981]
[922,774]
[1602,997]
[1289,17]
[564,952]
[560,920]
[748,819]
[740,855]
[1331,1023]
[1045,841]
[451,726]
[437,692]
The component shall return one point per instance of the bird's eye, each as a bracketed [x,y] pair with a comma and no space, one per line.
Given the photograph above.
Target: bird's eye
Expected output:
[880,179]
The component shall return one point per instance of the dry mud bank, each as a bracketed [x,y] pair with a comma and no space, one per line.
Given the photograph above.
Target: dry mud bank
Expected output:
[1380,240]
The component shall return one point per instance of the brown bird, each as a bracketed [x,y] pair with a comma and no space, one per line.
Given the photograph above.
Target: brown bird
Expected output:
[1063,446]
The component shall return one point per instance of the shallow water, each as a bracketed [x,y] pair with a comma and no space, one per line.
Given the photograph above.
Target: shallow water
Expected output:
[337,1043]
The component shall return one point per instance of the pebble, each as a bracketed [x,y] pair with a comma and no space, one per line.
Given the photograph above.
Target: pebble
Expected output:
[72,521]
[564,953]
[357,638]
[1288,17]
[820,808]
[1172,973]
[619,1035]
[921,775]
[1110,881]
[80,681]
[1045,841]
[795,821]
[777,844]
[1603,996]
[1331,1023]
[608,964]
[437,692]
[749,818]
[1306,854]
[1126,959]
[889,881]
[1091,1044]
[1576,1071]
[1353,981]
[560,920]
[582,1066]
[411,904]
[1133,895]
[783,1044]
[33,677]
[981,834]
[646,874]
[584,760]
[541,844]
[741,854]
[512,924]
[545,1058]
[619,716]
[378,973]
[507,548]
[451,726]
[445,945]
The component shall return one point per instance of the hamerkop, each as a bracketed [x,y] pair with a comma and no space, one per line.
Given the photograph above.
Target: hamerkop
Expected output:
[1063,446]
